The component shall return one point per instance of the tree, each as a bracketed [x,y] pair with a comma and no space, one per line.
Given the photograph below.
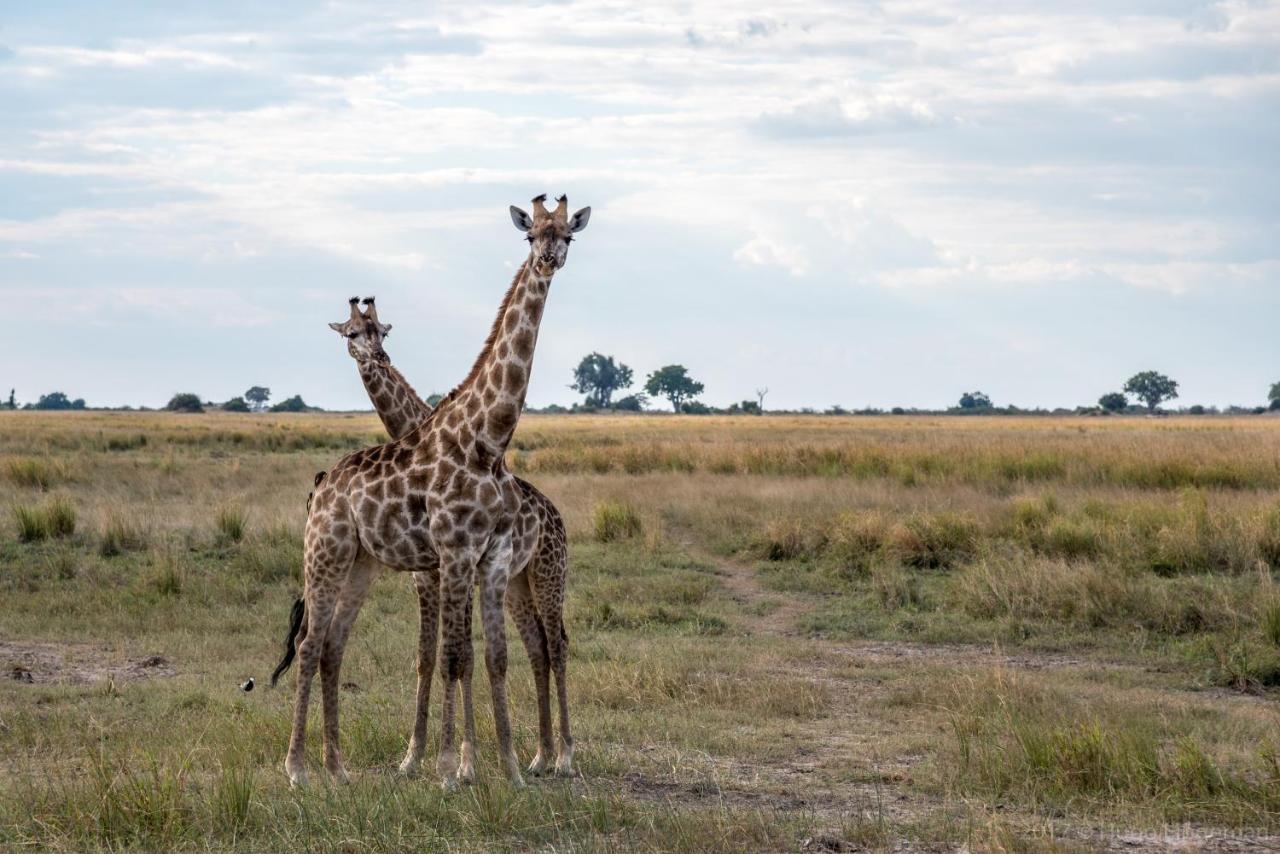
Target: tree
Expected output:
[760,393]
[433,400]
[1151,388]
[1113,401]
[258,397]
[974,400]
[54,400]
[235,404]
[630,403]
[598,377]
[674,383]
[292,404]
[1273,395]
[185,402]
[13,401]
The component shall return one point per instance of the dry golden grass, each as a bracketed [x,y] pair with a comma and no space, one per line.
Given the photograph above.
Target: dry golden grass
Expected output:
[1003,632]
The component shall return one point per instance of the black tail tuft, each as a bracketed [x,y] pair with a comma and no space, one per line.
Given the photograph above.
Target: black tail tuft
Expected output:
[297,631]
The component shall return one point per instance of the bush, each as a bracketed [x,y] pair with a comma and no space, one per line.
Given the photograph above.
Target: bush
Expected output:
[235,404]
[631,403]
[614,520]
[695,407]
[292,404]
[185,402]
[56,518]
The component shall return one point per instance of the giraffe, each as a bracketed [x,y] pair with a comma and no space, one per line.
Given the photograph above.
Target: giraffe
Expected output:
[535,592]
[437,500]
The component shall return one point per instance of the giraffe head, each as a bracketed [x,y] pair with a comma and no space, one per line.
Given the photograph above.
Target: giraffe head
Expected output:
[549,232]
[364,333]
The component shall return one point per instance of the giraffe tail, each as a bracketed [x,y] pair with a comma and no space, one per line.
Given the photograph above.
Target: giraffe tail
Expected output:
[297,631]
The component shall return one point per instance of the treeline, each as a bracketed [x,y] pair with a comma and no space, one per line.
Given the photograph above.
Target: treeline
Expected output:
[600,378]
[253,400]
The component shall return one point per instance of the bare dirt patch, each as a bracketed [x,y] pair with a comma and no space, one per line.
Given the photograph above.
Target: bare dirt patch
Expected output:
[77,664]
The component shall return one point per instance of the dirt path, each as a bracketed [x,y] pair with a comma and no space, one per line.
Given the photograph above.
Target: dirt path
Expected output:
[838,767]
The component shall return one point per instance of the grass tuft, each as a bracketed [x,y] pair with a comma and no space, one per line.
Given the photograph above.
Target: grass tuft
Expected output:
[56,518]
[615,520]
[119,535]
[231,523]
[35,472]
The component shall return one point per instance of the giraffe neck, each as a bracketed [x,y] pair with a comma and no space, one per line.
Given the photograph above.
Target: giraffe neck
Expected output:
[397,404]
[491,398]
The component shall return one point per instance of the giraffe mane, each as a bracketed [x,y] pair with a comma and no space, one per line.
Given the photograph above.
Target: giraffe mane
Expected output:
[486,349]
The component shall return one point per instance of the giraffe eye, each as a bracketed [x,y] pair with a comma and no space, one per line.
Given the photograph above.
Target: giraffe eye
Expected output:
[353,335]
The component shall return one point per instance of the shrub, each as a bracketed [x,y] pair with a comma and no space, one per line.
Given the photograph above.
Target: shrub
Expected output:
[231,523]
[236,404]
[615,520]
[291,404]
[185,402]
[56,518]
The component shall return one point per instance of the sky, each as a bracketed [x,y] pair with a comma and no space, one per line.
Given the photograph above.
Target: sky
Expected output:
[863,204]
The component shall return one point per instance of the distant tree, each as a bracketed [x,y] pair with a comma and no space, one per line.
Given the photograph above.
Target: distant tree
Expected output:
[78,403]
[760,393]
[13,401]
[897,410]
[236,404]
[258,396]
[695,407]
[1272,395]
[1151,388]
[185,402]
[631,403]
[433,400]
[1275,405]
[974,400]
[1113,401]
[674,383]
[53,400]
[598,377]
[292,404]
[836,409]
[748,407]
[1195,409]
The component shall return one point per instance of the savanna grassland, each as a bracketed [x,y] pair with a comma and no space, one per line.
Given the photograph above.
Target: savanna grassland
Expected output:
[787,633]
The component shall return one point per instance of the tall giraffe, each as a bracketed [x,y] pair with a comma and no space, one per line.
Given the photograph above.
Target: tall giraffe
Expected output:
[539,567]
[437,499]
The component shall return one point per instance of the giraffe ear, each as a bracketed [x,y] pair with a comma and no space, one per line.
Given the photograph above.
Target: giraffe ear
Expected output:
[386,328]
[522,220]
[336,327]
[580,219]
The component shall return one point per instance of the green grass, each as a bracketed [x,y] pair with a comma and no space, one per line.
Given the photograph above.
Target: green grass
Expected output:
[54,518]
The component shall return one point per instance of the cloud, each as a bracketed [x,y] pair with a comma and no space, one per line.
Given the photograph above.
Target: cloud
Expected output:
[832,117]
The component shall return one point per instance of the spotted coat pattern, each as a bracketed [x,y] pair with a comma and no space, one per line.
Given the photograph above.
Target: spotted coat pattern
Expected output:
[539,567]
[437,502]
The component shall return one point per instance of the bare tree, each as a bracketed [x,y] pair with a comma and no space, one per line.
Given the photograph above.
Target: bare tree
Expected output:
[760,393]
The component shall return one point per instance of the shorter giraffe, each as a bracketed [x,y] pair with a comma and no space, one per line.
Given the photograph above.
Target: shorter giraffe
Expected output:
[535,592]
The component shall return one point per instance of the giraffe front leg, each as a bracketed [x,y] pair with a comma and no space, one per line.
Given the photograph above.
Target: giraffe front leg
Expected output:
[456,572]
[428,588]
[467,761]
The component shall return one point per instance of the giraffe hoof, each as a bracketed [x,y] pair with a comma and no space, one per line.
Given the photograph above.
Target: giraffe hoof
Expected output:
[409,768]
[449,784]
[297,778]
[538,766]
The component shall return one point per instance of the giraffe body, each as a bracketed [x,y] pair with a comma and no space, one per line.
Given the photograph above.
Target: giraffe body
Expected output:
[439,502]
[536,589]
